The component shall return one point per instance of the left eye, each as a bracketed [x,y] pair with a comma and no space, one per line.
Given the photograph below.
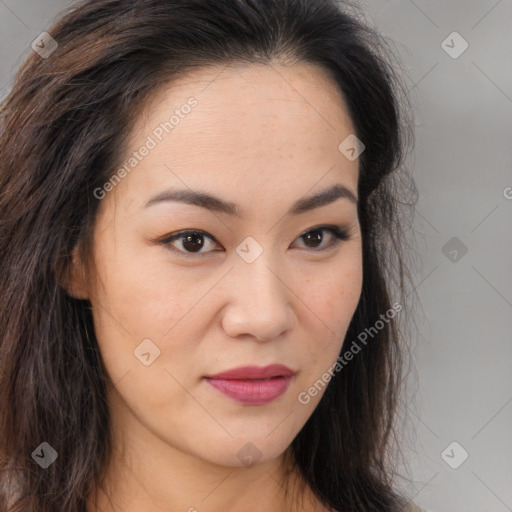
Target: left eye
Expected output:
[192,241]
[337,233]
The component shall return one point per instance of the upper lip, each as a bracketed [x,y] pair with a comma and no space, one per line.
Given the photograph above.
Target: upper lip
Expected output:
[254,372]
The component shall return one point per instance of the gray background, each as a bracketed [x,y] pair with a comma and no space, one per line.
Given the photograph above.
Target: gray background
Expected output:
[462,165]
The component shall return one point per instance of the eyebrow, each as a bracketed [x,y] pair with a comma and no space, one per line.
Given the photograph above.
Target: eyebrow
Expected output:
[216,204]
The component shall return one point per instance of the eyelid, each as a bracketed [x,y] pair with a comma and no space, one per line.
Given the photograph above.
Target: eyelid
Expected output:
[339,234]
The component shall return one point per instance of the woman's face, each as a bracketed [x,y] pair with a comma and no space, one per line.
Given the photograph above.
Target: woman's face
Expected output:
[259,285]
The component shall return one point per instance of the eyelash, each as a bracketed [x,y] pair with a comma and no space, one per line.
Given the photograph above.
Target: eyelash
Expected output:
[340,234]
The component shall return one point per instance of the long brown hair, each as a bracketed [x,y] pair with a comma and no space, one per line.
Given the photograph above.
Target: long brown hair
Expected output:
[64,128]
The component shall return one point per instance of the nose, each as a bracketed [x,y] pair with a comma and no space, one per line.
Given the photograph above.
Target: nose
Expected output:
[259,302]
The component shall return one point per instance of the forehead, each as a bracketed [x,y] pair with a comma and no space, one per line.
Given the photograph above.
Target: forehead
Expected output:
[251,126]
[232,97]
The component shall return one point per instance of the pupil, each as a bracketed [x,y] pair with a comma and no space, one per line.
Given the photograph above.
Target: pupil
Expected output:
[311,237]
[190,240]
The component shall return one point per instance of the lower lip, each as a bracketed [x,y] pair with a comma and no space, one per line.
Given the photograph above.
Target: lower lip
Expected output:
[252,392]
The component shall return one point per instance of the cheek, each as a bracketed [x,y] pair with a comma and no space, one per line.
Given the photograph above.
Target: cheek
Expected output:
[136,298]
[331,302]
[334,295]
[140,309]
[141,292]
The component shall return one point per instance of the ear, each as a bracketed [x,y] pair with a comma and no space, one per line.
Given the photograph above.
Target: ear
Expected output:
[74,278]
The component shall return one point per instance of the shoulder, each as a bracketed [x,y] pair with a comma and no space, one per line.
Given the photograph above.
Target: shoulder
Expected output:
[411,507]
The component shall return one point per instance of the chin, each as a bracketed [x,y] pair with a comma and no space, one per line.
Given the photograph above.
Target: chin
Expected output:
[246,451]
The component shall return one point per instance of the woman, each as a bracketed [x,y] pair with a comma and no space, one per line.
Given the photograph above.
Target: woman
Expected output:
[197,313]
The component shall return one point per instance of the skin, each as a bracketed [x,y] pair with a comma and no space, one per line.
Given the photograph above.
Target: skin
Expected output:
[261,136]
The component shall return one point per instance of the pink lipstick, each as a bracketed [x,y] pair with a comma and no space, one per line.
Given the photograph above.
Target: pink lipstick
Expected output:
[253,385]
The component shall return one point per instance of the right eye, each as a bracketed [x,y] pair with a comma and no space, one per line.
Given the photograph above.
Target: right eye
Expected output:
[191,241]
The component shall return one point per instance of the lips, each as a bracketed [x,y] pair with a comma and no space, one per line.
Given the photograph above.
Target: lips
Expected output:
[253,385]
[254,372]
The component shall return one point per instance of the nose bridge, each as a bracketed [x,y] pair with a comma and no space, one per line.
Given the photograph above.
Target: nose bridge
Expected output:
[259,281]
[259,301]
